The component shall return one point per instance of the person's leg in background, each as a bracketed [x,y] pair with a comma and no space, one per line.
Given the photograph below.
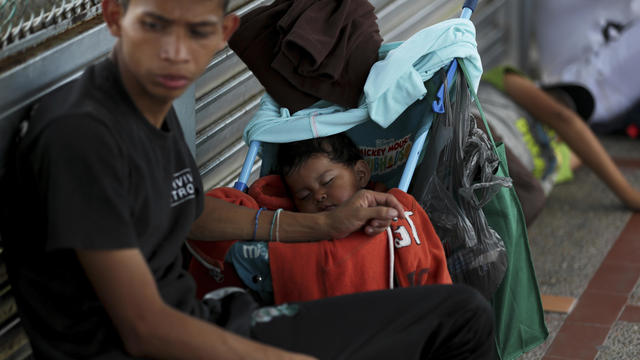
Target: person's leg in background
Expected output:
[431,322]
[575,132]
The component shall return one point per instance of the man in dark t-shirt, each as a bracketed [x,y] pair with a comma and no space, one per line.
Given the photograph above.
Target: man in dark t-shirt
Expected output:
[105,191]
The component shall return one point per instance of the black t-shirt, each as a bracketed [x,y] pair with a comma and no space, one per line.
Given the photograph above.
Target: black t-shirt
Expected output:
[93,173]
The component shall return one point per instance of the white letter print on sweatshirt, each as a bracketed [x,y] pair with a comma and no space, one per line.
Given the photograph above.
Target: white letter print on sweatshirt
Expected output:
[401,236]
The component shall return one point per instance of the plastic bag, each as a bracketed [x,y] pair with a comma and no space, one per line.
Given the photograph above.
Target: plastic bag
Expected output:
[454,181]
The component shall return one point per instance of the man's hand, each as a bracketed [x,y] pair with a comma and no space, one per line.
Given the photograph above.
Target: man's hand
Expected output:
[369,209]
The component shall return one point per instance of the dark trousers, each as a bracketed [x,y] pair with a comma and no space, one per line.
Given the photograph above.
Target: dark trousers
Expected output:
[430,322]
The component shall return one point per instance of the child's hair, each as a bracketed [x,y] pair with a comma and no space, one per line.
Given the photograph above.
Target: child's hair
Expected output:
[339,148]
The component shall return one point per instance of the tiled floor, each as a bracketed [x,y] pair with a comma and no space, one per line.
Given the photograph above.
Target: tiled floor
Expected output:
[595,257]
[631,313]
[604,301]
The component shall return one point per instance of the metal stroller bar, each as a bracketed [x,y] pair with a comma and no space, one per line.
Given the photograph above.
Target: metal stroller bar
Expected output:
[438,106]
[241,184]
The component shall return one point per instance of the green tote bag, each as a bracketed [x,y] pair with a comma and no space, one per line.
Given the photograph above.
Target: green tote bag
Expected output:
[519,316]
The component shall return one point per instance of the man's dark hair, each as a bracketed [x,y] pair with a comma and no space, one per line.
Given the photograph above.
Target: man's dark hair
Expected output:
[225,4]
[339,148]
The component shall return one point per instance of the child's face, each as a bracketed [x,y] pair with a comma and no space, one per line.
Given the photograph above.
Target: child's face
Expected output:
[320,184]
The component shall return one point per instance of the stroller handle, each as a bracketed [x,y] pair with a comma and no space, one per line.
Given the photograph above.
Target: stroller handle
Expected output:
[438,106]
[470,4]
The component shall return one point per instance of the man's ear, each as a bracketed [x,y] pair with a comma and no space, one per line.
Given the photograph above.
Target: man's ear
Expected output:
[363,173]
[230,24]
[112,13]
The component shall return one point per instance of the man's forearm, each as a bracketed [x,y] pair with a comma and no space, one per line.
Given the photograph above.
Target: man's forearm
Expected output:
[221,220]
[147,325]
[367,209]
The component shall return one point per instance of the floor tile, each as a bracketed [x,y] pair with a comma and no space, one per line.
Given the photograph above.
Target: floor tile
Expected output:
[631,313]
[600,308]
[578,341]
[627,247]
[615,277]
[559,304]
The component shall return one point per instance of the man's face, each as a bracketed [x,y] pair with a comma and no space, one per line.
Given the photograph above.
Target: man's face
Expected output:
[165,45]
[320,184]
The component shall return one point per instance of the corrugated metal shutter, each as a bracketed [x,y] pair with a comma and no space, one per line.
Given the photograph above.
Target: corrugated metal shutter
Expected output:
[227,95]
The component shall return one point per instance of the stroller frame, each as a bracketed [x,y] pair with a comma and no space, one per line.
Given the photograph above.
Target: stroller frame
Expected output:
[416,150]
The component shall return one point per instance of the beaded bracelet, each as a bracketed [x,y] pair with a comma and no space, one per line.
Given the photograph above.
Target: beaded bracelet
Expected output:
[255,227]
[276,215]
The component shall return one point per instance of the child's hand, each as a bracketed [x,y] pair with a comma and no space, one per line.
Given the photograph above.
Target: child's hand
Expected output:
[369,209]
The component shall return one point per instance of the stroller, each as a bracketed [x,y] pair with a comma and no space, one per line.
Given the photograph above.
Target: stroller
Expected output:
[424,101]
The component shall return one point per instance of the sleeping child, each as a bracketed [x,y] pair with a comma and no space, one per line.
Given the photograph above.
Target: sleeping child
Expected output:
[318,175]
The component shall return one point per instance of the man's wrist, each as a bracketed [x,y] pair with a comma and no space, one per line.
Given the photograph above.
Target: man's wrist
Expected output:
[297,227]
[316,226]
[323,226]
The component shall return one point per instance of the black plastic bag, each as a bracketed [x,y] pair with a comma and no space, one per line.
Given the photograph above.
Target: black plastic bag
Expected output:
[454,181]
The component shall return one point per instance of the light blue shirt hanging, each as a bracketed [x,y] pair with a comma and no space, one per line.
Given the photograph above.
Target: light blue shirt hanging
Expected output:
[397,81]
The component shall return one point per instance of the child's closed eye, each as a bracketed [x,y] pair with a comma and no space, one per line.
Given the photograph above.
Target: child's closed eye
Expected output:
[303,196]
[327,181]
